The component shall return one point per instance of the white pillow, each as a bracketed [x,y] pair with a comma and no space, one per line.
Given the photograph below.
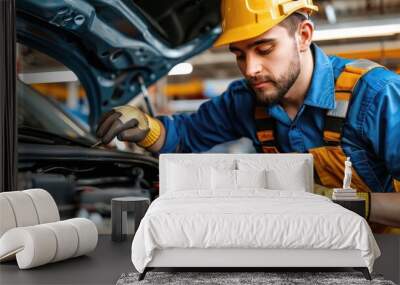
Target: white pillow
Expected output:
[227,179]
[223,179]
[183,177]
[291,178]
[251,179]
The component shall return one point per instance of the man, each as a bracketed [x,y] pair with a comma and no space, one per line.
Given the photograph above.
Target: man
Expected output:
[293,99]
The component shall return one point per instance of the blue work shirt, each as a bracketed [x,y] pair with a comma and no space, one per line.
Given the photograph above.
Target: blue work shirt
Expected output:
[371,134]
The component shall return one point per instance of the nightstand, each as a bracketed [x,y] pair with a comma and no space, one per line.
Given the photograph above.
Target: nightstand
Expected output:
[357,205]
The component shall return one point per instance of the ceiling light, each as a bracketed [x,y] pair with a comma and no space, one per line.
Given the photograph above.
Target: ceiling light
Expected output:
[181,69]
[357,32]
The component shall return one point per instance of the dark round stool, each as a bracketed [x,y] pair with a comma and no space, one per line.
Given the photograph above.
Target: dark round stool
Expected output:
[119,214]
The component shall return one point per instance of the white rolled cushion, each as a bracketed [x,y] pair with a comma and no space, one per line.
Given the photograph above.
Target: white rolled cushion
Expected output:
[45,205]
[251,178]
[223,179]
[67,240]
[23,208]
[40,244]
[33,245]
[292,178]
[87,235]
[182,177]
[7,218]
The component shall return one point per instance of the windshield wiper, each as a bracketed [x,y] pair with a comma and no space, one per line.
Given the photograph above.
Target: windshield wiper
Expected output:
[32,135]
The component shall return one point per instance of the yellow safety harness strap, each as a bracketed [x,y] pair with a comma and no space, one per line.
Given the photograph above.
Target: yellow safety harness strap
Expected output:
[352,73]
[396,185]
[344,87]
[265,130]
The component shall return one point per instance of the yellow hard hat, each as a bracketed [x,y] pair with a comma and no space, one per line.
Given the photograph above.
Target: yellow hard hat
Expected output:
[246,19]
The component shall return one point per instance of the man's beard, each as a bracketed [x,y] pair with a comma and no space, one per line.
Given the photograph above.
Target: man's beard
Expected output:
[280,86]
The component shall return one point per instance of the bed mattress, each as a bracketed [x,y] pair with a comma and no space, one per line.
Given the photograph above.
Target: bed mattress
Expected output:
[250,219]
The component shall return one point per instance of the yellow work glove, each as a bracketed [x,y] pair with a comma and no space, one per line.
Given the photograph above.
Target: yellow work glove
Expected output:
[129,123]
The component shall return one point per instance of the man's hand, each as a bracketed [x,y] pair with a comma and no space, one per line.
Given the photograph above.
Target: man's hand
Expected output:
[128,123]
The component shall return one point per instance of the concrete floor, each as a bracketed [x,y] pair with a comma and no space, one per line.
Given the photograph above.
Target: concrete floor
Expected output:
[111,259]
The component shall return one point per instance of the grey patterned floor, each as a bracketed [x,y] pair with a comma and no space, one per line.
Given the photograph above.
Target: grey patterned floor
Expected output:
[242,278]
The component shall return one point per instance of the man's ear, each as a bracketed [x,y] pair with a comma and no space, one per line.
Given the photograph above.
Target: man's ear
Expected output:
[304,35]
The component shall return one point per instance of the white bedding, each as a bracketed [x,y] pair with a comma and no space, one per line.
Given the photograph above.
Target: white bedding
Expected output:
[251,218]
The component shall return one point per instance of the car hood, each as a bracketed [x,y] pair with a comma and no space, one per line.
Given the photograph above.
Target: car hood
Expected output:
[112,46]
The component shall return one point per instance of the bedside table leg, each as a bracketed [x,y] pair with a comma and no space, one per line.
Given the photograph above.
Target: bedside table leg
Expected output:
[116,221]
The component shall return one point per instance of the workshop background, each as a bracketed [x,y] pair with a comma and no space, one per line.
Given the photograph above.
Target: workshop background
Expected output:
[349,28]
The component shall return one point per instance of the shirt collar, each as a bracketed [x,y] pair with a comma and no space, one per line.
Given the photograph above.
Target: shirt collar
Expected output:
[321,92]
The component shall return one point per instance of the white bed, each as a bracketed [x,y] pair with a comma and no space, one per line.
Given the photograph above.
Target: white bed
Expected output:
[202,220]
